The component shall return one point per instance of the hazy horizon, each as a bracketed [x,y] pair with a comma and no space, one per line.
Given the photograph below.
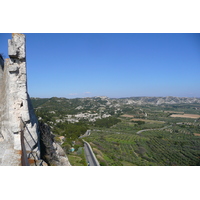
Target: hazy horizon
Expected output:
[112,97]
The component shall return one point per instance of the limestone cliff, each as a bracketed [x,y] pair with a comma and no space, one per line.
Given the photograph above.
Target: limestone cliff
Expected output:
[19,128]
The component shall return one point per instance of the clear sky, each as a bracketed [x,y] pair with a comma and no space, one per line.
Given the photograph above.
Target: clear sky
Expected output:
[111,64]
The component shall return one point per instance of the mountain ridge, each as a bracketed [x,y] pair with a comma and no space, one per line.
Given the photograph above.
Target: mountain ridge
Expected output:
[140,100]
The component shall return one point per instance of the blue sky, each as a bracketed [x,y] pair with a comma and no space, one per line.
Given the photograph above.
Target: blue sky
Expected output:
[111,64]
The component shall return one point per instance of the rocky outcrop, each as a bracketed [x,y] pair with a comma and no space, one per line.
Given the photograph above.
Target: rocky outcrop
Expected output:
[158,100]
[51,152]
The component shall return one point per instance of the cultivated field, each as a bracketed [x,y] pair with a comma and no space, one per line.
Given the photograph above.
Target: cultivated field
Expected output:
[147,120]
[192,116]
[168,111]
[129,116]
[171,138]
[134,135]
[142,120]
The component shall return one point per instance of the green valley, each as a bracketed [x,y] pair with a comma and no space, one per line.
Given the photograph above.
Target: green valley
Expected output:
[126,132]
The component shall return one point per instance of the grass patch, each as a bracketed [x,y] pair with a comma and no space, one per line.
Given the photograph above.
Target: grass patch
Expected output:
[125,163]
[75,160]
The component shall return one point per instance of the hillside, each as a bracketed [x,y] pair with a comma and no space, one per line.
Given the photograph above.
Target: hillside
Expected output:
[88,102]
[111,105]
[160,100]
[91,109]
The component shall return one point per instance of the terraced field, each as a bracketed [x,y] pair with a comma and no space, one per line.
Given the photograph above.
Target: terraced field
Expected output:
[158,148]
[166,141]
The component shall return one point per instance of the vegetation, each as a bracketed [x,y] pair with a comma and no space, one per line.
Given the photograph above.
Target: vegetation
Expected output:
[140,135]
[77,158]
[106,122]
[157,147]
[69,130]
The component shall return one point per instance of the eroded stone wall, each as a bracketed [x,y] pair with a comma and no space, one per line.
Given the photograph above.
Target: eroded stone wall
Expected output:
[17,117]
[15,105]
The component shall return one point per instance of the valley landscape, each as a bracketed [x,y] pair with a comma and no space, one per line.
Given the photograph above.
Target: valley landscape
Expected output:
[118,80]
[158,129]
[135,131]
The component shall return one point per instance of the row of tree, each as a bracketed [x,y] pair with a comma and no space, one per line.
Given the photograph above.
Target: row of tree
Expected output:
[106,122]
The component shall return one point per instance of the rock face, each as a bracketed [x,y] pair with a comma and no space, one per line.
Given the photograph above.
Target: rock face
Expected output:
[51,152]
[16,112]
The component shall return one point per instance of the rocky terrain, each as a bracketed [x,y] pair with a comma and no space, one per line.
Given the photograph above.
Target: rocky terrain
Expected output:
[159,100]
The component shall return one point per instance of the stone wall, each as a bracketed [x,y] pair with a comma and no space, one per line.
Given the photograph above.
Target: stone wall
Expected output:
[1,82]
[19,127]
[15,105]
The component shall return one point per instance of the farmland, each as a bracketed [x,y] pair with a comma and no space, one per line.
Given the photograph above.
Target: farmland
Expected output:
[162,140]
[121,145]
[192,116]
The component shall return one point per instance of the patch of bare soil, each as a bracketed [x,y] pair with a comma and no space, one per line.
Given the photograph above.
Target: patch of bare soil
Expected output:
[192,116]
[130,116]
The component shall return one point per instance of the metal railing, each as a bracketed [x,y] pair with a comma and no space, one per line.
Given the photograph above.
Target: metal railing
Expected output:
[24,157]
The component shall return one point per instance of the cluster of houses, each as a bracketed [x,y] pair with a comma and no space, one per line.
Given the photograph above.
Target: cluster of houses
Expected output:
[83,116]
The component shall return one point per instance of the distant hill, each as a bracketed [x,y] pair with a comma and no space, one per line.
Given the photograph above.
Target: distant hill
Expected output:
[105,105]
[160,100]
[91,102]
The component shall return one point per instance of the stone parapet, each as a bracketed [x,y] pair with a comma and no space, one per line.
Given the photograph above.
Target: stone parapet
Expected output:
[15,104]
[16,46]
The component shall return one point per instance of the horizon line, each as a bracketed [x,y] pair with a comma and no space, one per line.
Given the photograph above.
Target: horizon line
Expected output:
[112,97]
